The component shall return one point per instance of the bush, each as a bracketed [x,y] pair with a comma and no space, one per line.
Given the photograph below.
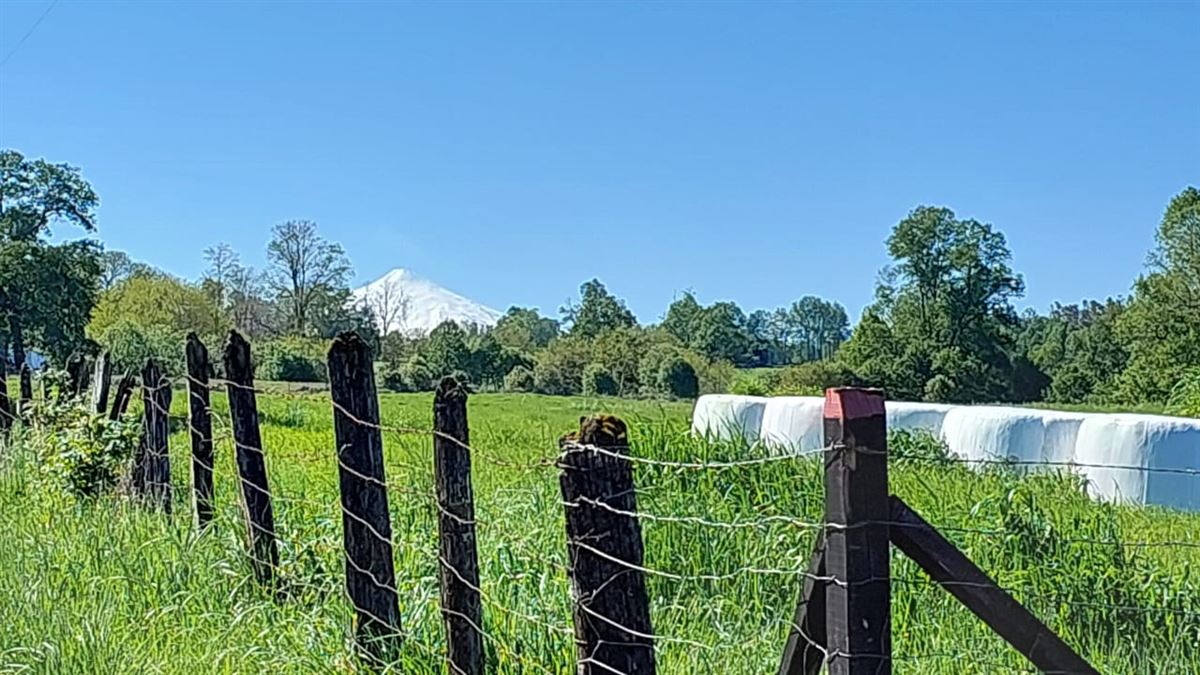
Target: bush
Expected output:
[597,381]
[810,379]
[559,368]
[1185,396]
[414,375]
[748,384]
[130,345]
[85,453]
[677,378]
[291,359]
[519,379]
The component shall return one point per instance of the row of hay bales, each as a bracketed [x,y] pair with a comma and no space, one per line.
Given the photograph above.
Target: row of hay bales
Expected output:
[1139,459]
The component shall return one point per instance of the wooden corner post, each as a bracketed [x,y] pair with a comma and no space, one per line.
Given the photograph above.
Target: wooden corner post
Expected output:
[200,426]
[604,542]
[462,610]
[366,522]
[251,459]
[857,555]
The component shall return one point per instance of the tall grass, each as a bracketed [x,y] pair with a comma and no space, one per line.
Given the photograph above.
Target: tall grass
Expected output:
[105,586]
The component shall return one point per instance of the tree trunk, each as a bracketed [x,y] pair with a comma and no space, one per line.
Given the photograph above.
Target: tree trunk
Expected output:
[18,339]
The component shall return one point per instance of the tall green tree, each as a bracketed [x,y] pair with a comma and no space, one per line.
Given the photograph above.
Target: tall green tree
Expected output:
[943,313]
[1161,329]
[46,291]
[598,311]
[524,330]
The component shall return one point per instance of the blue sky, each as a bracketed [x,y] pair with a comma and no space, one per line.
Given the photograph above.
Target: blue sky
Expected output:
[755,152]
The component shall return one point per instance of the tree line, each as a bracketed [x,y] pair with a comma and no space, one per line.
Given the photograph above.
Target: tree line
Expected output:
[942,326]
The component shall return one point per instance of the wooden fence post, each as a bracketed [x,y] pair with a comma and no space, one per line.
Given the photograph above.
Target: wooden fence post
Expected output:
[26,389]
[251,462]
[156,461]
[857,550]
[200,425]
[462,609]
[122,397]
[6,411]
[604,542]
[101,383]
[366,524]
[76,376]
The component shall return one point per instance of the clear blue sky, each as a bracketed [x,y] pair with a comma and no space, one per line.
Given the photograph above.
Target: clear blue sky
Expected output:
[755,152]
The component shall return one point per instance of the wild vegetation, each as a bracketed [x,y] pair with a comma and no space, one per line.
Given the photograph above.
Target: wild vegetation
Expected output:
[98,584]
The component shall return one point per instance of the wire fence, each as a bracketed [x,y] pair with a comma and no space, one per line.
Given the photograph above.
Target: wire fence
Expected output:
[626,524]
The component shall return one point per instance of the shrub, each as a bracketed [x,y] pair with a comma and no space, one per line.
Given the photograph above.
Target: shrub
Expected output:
[130,345]
[84,453]
[559,368]
[810,379]
[748,384]
[597,381]
[291,359]
[519,379]
[677,378]
[1185,396]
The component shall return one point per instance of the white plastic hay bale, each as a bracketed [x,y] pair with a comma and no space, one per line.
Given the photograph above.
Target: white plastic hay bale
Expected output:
[794,423]
[1061,429]
[994,433]
[727,416]
[1106,443]
[916,416]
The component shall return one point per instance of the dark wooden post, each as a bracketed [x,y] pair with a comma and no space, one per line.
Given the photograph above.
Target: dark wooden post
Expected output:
[975,589]
[156,462]
[26,389]
[804,652]
[101,383]
[251,459]
[462,611]
[366,524]
[200,425]
[857,550]
[76,376]
[123,396]
[6,411]
[604,543]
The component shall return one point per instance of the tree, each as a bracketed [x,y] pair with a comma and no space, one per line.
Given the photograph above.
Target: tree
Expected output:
[46,291]
[1161,329]
[388,303]
[524,330]
[445,350]
[223,265]
[598,311]
[302,270]
[116,266]
[682,316]
[719,331]
[942,325]
[817,328]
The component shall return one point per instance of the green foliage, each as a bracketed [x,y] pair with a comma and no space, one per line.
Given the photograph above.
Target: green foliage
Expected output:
[675,377]
[1185,397]
[524,330]
[941,326]
[597,381]
[291,359]
[918,445]
[131,343]
[748,384]
[809,379]
[559,367]
[84,453]
[445,349]
[519,379]
[598,311]
[308,276]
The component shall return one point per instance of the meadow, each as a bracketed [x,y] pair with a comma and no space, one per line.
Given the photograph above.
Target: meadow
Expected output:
[107,586]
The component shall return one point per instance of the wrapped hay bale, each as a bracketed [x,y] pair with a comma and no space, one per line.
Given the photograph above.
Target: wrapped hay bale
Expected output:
[1143,443]
[794,423]
[727,416]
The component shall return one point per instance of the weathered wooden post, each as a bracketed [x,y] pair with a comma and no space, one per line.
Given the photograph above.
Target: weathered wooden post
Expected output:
[26,389]
[6,412]
[156,461]
[101,383]
[857,548]
[366,524]
[251,462]
[76,376]
[200,425]
[462,610]
[604,543]
[123,395]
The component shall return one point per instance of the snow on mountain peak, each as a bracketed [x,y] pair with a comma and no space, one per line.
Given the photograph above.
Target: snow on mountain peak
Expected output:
[413,304]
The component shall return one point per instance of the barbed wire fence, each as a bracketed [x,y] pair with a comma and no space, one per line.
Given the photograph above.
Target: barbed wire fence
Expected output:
[842,620]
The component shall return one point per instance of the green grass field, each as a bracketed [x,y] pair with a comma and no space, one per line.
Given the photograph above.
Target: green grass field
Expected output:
[109,587]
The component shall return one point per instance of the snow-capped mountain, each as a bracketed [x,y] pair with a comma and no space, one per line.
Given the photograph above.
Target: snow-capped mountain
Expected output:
[412,304]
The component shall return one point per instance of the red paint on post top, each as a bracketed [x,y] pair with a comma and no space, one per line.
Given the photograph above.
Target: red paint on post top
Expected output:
[848,403]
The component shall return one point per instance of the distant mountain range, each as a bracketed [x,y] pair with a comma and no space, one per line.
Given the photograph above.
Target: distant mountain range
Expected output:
[412,304]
